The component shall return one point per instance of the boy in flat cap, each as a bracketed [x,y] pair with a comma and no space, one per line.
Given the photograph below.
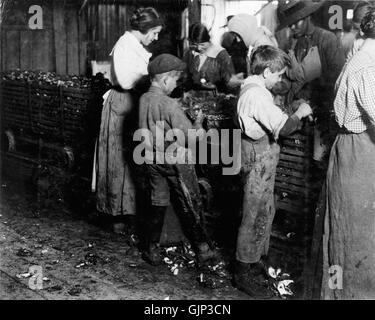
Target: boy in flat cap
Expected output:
[158,111]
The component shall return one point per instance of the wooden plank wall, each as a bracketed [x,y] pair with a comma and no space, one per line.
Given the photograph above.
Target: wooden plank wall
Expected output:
[61,46]
[107,22]
[71,37]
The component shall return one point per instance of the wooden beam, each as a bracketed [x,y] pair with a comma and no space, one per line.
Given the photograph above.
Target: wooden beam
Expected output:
[59,36]
[83,42]
[72,41]
[12,50]
[194,7]
[1,49]
[26,50]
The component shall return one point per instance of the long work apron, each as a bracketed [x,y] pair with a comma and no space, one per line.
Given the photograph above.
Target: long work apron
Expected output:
[115,189]
[349,227]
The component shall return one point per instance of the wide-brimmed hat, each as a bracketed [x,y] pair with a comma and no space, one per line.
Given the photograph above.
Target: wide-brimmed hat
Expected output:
[291,12]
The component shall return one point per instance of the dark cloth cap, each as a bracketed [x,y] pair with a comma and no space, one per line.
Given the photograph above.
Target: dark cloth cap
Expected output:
[165,63]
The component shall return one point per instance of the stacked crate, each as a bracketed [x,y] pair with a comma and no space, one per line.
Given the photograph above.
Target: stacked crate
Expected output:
[296,189]
[293,180]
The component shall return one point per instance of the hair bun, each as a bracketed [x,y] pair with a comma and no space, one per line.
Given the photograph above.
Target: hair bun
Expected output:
[368,23]
[144,19]
[135,18]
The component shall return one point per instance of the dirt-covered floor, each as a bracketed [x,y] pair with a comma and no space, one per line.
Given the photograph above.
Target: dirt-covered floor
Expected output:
[75,258]
[79,260]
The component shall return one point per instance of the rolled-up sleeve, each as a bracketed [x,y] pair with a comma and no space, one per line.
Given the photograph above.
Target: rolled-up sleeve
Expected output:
[268,114]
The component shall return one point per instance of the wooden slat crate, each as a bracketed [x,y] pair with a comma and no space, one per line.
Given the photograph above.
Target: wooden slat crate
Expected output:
[295,188]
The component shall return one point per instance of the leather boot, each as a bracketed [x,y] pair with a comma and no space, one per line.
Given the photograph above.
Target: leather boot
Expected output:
[246,281]
[118,224]
[152,255]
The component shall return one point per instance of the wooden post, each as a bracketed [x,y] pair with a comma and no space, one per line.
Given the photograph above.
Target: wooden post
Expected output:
[194,7]
[83,42]
[59,31]
[72,40]
[12,50]
[1,48]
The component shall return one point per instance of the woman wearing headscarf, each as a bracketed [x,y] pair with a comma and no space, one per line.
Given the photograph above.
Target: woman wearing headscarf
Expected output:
[246,30]
[349,228]
[236,49]
[245,27]
[115,190]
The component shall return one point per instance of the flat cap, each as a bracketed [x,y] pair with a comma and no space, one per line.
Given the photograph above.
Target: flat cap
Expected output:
[165,63]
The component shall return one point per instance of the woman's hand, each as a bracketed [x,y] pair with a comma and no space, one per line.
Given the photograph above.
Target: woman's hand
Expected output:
[207,85]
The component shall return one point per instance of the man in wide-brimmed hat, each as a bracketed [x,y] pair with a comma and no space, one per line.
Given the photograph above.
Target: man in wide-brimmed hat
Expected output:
[292,11]
[317,60]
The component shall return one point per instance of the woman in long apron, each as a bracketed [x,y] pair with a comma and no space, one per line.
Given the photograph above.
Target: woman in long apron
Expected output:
[115,189]
[349,228]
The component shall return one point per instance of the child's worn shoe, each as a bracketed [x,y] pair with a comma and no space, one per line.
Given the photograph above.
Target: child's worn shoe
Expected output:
[206,254]
[153,255]
[248,279]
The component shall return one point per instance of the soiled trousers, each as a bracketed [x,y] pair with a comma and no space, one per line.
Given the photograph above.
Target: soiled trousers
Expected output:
[258,171]
[179,183]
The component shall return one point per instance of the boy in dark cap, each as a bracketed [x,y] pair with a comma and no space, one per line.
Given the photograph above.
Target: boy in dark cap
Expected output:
[158,112]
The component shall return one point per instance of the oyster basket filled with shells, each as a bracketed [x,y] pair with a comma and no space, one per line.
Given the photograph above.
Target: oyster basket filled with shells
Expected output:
[218,109]
[45,104]
[50,119]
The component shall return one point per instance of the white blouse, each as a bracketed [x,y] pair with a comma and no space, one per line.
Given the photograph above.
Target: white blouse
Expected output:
[130,61]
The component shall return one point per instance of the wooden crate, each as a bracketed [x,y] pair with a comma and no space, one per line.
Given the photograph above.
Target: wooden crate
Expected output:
[297,190]
[293,179]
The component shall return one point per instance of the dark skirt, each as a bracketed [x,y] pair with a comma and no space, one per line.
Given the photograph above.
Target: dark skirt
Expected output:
[349,227]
